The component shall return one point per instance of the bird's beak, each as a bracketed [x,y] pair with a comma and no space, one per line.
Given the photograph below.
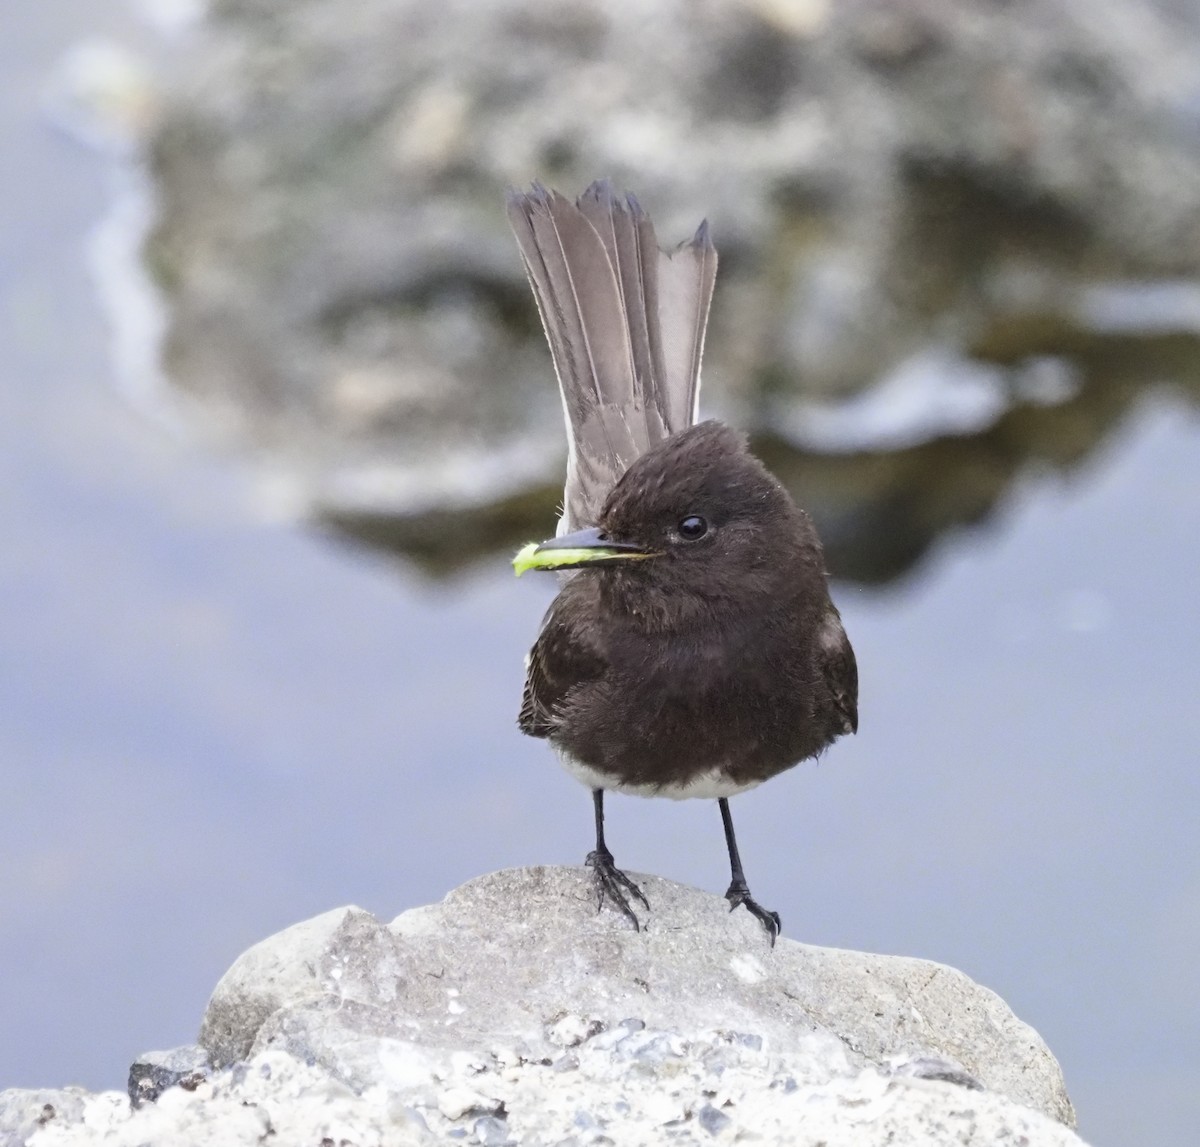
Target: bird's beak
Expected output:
[573,551]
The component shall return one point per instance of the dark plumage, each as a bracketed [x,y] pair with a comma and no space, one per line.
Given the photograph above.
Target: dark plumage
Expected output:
[696,652]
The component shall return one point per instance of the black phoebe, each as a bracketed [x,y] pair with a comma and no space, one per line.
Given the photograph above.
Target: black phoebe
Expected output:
[696,652]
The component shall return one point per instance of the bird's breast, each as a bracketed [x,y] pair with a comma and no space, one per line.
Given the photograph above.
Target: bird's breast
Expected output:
[696,715]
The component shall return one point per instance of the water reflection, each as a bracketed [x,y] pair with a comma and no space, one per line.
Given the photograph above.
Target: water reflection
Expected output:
[880,513]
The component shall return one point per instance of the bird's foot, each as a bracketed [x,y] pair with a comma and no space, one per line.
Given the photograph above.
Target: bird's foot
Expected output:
[613,884]
[739,893]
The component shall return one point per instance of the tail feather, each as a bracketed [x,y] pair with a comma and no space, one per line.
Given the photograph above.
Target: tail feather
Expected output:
[624,236]
[685,286]
[625,323]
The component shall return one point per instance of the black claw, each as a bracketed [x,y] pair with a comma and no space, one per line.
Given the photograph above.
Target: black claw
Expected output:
[740,894]
[613,884]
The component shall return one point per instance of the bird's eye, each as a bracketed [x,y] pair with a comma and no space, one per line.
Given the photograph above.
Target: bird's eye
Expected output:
[692,528]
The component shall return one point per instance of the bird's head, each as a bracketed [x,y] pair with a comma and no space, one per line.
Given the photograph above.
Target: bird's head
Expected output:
[697,518]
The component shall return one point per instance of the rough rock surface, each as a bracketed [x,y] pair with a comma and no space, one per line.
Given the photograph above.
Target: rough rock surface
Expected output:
[513,1013]
[276,1098]
[157,1071]
[523,955]
[25,1111]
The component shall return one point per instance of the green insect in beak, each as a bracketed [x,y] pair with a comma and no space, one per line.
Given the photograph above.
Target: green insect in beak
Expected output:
[575,551]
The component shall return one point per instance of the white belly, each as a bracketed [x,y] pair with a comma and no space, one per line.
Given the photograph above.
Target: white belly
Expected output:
[709,785]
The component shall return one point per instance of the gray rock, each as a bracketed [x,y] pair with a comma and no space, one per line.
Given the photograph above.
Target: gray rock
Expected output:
[346,956]
[279,1099]
[444,986]
[923,1067]
[712,1120]
[454,1022]
[25,1111]
[154,1072]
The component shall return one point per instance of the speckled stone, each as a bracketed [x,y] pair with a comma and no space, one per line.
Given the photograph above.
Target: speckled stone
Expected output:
[466,975]
[467,1022]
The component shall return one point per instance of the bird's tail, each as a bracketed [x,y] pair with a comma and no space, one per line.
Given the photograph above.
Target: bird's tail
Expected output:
[625,322]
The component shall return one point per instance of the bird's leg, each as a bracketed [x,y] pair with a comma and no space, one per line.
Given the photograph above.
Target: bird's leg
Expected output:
[739,891]
[610,881]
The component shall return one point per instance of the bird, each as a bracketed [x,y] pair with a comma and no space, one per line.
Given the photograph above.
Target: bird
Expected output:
[693,649]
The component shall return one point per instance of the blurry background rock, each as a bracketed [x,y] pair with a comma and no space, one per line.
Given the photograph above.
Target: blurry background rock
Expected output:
[938,221]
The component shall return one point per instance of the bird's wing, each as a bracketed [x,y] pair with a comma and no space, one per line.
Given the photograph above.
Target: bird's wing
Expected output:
[625,323]
[561,659]
[840,669]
